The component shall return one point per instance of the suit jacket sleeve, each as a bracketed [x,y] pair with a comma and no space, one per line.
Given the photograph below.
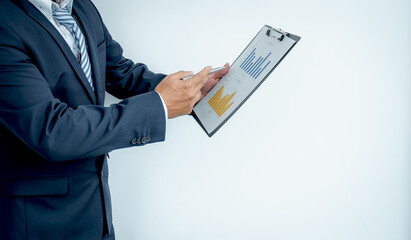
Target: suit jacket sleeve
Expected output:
[124,78]
[58,132]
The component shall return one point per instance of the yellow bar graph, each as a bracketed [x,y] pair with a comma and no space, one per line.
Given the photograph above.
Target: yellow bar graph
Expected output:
[219,103]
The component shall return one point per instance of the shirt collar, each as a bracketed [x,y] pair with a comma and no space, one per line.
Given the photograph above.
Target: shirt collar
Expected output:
[45,6]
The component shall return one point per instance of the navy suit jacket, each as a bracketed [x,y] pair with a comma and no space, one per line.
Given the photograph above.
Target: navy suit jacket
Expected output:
[55,132]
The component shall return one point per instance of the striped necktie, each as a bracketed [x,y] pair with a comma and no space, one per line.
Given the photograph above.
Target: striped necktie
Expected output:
[63,17]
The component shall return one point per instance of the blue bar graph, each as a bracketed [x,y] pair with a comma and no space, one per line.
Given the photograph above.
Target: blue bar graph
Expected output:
[253,68]
[248,58]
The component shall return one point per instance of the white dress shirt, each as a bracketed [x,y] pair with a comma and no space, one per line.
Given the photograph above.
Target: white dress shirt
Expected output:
[45,7]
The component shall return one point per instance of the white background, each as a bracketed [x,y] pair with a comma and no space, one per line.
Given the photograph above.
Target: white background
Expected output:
[320,151]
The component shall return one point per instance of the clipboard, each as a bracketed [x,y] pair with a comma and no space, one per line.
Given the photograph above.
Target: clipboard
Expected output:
[251,68]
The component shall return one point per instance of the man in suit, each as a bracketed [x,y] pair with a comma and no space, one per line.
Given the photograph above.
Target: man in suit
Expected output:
[57,59]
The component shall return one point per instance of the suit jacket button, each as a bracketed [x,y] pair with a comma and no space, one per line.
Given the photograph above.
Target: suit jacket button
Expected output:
[144,140]
[139,140]
[134,141]
[148,138]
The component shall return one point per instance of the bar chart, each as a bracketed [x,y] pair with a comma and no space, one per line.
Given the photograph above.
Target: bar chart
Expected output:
[220,103]
[254,67]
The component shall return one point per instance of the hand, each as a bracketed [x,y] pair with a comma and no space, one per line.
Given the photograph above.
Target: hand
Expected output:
[214,80]
[181,95]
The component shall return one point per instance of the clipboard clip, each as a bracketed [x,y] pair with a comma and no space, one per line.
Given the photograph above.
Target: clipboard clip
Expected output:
[279,32]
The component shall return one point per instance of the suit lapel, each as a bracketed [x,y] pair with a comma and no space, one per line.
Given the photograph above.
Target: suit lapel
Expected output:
[33,12]
[87,30]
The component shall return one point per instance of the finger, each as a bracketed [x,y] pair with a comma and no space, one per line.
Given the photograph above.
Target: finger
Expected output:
[222,72]
[210,84]
[181,74]
[198,97]
[201,78]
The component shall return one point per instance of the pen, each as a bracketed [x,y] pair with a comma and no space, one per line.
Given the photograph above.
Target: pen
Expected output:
[214,70]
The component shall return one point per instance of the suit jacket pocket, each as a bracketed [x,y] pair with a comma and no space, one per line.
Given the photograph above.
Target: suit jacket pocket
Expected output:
[102,44]
[36,187]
